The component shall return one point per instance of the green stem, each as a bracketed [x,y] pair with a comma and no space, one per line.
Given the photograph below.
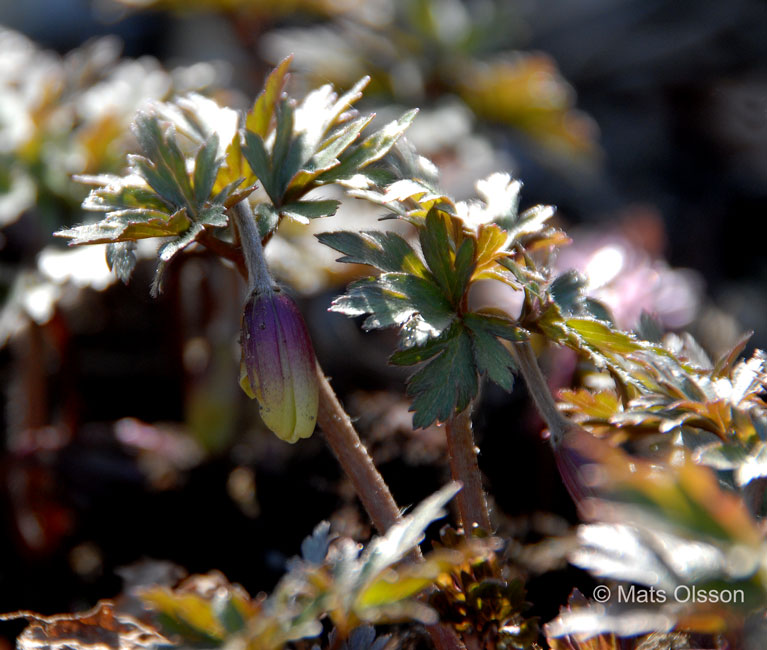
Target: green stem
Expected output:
[539,390]
[472,504]
[259,279]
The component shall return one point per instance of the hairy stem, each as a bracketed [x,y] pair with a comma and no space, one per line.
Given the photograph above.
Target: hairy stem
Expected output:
[250,239]
[472,504]
[333,420]
[368,483]
[557,423]
[354,458]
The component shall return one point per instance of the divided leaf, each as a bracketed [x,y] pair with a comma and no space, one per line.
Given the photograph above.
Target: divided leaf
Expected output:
[490,355]
[304,210]
[396,299]
[158,198]
[386,251]
[446,384]
[133,210]
[426,298]
[449,381]
[450,268]
[170,192]
[295,148]
[333,578]
[372,148]
[121,258]
[203,610]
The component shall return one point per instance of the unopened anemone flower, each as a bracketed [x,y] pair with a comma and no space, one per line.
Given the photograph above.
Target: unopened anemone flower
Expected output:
[278,366]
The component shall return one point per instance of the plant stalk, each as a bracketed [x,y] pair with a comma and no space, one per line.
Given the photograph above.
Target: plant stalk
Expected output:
[354,458]
[472,503]
[557,423]
[368,483]
[259,279]
[335,422]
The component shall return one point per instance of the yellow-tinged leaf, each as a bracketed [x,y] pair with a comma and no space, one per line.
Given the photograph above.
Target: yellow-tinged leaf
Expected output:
[551,238]
[528,92]
[714,416]
[727,509]
[201,602]
[601,405]
[189,608]
[491,241]
[119,227]
[602,336]
[391,588]
[260,118]
[686,494]
[705,622]
[235,167]
[393,585]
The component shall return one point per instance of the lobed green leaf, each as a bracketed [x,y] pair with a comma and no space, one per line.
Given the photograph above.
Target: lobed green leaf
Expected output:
[258,158]
[446,384]
[421,352]
[304,210]
[491,356]
[567,291]
[127,225]
[206,166]
[393,299]
[373,148]
[451,273]
[386,251]
[121,258]
[164,166]
[287,152]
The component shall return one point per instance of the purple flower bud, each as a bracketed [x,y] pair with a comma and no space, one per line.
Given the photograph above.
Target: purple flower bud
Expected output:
[278,365]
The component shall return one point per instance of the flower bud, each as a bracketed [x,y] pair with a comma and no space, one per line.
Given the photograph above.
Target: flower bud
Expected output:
[278,366]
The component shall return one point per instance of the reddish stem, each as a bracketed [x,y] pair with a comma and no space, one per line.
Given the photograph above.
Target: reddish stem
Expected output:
[472,504]
[354,458]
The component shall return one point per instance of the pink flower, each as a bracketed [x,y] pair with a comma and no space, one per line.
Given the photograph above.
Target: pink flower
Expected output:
[629,280]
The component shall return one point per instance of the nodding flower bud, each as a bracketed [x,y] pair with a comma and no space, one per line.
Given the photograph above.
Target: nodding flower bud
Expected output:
[278,365]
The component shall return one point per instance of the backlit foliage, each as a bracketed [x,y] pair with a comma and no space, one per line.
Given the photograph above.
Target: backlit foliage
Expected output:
[664,449]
